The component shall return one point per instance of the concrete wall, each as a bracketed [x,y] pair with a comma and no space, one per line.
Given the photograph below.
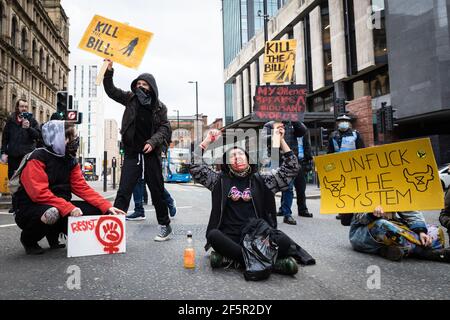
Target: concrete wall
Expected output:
[318,75]
[337,31]
[419,56]
[364,35]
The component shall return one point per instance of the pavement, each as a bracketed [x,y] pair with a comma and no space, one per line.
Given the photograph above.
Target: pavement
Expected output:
[151,270]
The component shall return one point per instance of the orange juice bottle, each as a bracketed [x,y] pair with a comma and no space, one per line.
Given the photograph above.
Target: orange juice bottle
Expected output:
[189,253]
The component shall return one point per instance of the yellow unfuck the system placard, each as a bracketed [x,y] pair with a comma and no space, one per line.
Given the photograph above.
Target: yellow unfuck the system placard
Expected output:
[117,41]
[279,61]
[399,176]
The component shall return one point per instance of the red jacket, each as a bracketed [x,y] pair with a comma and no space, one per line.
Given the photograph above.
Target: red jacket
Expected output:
[35,182]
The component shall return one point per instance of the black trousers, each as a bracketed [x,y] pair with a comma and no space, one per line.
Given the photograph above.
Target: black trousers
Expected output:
[13,165]
[300,188]
[28,218]
[230,246]
[131,172]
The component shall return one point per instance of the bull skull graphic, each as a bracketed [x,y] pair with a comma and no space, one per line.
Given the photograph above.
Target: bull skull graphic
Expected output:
[335,187]
[419,179]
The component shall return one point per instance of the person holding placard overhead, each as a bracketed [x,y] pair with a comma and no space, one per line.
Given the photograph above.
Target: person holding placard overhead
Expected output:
[45,181]
[294,131]
[145,128]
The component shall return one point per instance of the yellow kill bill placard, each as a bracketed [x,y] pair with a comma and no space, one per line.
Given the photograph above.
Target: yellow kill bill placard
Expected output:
[279,61]
[399,176]
[117,41]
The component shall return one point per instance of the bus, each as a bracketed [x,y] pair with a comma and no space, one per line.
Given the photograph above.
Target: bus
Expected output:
[176,165]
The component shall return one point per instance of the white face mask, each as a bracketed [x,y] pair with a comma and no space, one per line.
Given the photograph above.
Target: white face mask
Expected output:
[344,125]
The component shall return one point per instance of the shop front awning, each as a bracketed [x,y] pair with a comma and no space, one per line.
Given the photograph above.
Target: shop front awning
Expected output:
[311,118]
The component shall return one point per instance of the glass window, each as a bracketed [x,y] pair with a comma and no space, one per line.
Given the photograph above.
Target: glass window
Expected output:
[379,31]
[14,31]
[326,39]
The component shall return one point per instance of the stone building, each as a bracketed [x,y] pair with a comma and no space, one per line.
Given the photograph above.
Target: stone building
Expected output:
[34,54]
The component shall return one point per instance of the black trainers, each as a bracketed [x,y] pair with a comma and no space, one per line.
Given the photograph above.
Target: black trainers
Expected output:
[392,253]
[11,210]
[33,249]
[164,233]
[280,214]
[135,216]
[305,214]
[287,266]
[289,220]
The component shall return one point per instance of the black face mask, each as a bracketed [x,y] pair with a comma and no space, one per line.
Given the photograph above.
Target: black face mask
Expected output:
[72,147]
[144,96]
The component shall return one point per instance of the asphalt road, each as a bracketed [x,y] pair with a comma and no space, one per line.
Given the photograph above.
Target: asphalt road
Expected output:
[151,270]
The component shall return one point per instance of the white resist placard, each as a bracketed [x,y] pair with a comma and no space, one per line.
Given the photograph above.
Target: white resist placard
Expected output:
[96,235]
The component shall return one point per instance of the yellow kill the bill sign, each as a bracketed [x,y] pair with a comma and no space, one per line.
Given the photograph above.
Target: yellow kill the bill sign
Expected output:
[399,177]
[116,41]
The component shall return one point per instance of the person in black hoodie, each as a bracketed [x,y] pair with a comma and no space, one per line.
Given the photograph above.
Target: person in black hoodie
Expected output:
[145,128]
[19,138]
[241,194]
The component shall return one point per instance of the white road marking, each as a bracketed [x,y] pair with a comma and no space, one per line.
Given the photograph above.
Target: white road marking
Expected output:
[152,210]
[7,225]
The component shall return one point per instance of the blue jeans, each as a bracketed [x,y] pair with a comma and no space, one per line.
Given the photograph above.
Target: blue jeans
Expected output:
[287,197]
[138,196]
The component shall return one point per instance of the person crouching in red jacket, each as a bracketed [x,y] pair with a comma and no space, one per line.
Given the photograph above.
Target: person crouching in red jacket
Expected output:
[48,180]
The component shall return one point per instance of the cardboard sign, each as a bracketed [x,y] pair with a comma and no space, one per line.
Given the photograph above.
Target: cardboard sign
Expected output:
[116,41]
[280,103]
[96,235]
[399,177]
[279,61]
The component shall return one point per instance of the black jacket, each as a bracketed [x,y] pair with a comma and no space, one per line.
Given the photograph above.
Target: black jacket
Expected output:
[263,189]
[444,218]
[161,130]
[17,141]
[293,130]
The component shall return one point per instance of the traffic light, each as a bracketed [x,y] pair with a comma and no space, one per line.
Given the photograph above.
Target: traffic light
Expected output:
[121,151]
[380,120]
[389,118]
[324,136]
[62,103]
[339,107]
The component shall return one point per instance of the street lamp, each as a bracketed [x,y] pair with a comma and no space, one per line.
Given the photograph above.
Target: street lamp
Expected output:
[196,108]
[178,124]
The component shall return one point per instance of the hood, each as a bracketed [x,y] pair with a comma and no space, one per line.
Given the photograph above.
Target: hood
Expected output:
[54,136]
[226,169]
[147,77]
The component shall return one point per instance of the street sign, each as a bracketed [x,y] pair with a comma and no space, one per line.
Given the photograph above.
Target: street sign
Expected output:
[96,235]
[72,115]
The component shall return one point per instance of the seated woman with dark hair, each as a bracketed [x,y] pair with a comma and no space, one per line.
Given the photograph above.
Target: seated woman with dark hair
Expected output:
[47,181]
[239,195]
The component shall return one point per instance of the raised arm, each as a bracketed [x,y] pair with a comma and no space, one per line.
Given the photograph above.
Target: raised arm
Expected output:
[279,179]
[114,93]
[200,171]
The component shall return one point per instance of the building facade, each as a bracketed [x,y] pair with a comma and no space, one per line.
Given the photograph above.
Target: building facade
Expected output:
[112,141]
[184,130]
[394,52]
[88,99]
[34,53]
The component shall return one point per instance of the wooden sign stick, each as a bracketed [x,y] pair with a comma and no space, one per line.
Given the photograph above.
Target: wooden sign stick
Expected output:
[276,138]
[101,73]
